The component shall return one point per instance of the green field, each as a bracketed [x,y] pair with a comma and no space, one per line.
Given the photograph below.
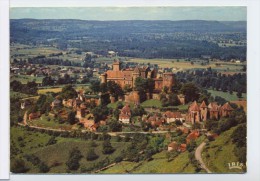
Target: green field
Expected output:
[220,153]
[22,51]
[19,95]
[227,95]
[152,103]
[51,123]
[26,78]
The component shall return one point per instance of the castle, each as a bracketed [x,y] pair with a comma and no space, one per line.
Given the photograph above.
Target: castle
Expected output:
[128,76]
[202,112]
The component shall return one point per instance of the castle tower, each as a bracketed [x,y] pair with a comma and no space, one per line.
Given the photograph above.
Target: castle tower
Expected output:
[168,80]
[103,78]
[203,111]
[194,113]
[135,74]
[116,65]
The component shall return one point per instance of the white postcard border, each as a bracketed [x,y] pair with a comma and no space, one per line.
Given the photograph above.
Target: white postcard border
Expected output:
[253,92]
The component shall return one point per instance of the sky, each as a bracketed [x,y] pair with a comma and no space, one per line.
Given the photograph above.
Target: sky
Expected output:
[220,13]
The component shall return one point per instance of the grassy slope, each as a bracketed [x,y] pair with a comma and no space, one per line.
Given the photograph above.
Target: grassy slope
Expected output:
[158,165]
[221,153]
[34,143]
[226,95]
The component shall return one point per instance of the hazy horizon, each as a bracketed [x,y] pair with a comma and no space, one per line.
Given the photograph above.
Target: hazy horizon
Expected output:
[133,13]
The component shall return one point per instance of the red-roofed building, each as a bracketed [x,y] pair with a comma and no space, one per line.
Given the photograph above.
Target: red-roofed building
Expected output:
[226,110]
[34,115]
[194,113]
[125,114]
[173,146]
[173,116]
[192,136]
[202,112]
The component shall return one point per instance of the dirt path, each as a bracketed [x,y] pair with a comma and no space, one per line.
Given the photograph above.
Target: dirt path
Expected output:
[199,158]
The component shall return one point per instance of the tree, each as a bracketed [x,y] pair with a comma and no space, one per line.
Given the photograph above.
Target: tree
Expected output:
[140,84]
[190,91]
[95,86]
[91,155]
[71,117]
[127,88]
[68,92]
[47,81]
[239,136]
[138,111]
[100,113]
[114,126]
[16,86]
[220,100]
[114,89]
[239,139]
[74,158]
[239,94]
[43,167]
[103,88]
[18,166]
[107,147]
[191,146]
[173,100]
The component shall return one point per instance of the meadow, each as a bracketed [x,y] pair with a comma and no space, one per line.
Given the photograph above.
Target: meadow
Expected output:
[217,154]
[227,95]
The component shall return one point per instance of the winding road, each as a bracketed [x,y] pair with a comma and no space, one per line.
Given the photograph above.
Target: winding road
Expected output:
[199,158]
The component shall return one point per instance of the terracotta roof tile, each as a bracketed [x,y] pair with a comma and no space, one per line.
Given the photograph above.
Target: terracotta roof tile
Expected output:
[227,107]
[194,107]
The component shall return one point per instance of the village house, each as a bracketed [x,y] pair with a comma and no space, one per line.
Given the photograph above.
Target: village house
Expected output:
[125,114]
[174,146]
[192,136]
[34,115]
[173,116]
[155,120]
[56,103]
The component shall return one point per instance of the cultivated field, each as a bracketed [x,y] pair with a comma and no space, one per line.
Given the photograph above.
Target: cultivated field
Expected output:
[181,64]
